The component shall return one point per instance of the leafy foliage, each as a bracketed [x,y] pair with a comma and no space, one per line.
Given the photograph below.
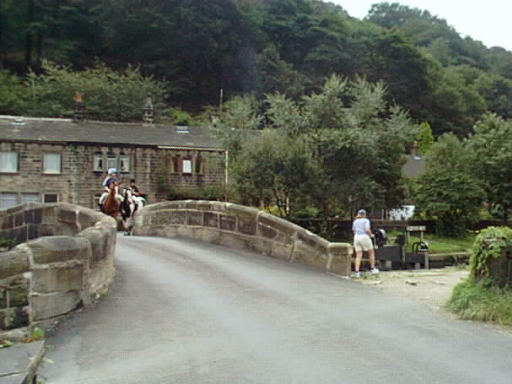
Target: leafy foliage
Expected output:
[107,94]
[336,149]
[425,138]
[491,145]
[275,168]
[448,190]
[254,47]
[480,300]
[488,244]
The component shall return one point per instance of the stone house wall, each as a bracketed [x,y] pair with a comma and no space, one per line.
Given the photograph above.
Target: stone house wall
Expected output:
[79,182]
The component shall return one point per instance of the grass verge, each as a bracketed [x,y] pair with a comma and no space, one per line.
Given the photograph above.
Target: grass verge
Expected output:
[480,300]
[439,244]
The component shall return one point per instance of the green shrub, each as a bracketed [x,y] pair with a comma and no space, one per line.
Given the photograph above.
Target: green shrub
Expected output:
[480,300]
[211,192]
[181,117]
[488,244]
[7,242]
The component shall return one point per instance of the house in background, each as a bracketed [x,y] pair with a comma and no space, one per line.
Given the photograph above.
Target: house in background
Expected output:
[413,167]
[64,160]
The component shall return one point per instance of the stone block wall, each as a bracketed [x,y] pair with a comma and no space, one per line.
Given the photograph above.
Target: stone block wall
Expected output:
[242,227]
[79,182]
[64,257]
[500,268]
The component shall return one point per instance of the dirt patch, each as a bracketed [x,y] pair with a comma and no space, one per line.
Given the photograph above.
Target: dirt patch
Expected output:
[432,287]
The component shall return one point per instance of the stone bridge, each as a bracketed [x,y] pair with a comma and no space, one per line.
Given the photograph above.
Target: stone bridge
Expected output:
[64,258]
[241,227]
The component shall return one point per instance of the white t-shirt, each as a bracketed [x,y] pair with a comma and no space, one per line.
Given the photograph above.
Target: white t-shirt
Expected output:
[360,225]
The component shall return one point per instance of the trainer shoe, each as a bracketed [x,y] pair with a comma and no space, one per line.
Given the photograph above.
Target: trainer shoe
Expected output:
[375,271]
[356,275]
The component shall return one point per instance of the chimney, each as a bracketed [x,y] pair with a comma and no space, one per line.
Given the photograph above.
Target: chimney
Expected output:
[147,111]
[79,108]
[414,150]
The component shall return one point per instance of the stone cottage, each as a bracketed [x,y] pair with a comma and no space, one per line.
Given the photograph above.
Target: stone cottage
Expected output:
[62,160]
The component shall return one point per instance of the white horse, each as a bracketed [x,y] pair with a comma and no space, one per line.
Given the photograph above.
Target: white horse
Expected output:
[129,206]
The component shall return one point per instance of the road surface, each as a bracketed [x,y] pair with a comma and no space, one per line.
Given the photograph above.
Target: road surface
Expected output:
[187,312]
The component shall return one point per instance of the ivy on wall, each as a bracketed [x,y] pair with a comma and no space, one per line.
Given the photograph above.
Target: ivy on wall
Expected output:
[488,244]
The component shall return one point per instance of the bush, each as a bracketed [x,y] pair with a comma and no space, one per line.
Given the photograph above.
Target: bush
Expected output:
[212,193]
[488,244]
[180,117]
[480,300]
[11,94]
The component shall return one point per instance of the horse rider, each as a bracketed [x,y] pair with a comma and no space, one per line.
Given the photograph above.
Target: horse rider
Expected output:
[109,182]
[137,197]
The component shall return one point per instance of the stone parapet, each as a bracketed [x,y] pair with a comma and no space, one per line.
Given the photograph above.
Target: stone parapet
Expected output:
[62,258]
[237,226]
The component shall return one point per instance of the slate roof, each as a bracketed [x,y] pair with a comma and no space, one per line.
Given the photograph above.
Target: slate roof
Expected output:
[414,166]
[93,132]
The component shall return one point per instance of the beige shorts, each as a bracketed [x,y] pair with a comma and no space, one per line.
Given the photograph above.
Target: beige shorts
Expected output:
[362,243]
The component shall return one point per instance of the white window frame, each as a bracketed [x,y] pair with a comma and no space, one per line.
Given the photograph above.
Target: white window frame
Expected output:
[98,162]
[7,157]
[111,161]
[124,163]
[34,197]
[47,161]
[13,199]
[186,166]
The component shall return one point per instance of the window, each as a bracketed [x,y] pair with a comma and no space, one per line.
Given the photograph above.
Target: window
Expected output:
[124,163]
[30,198]
[199,165]
[51,198]
[176,164]
[111,162]
[8,200]
[8,162]
[187,166]
[98,162]
[51,163]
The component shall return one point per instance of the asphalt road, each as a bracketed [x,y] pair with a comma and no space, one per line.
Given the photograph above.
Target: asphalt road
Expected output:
[188,312]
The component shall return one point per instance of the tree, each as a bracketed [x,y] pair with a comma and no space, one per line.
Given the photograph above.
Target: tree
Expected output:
[448,191]
[355,139]
[277,75]
[275,168]
[491,145]
[107,94]
[497,92]
[425,138]
[238,120]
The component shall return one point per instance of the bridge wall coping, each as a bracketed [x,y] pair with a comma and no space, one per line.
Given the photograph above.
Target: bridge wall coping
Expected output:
[64,258]
[242,227]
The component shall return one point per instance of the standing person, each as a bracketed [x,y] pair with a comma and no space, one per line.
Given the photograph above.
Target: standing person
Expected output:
[363,242]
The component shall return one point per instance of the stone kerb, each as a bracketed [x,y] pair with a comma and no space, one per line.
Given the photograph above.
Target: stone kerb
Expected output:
[64,257]
[237,226]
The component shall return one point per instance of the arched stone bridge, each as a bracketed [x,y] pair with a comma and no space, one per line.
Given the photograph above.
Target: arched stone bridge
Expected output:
[240,227]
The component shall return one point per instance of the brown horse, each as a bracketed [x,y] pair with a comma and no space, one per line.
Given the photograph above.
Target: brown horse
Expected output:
[111,205]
